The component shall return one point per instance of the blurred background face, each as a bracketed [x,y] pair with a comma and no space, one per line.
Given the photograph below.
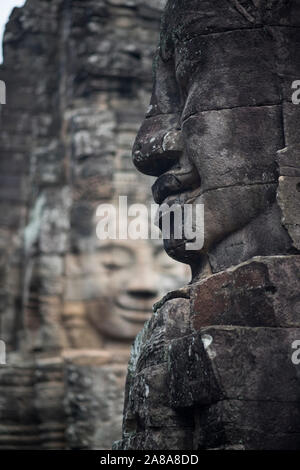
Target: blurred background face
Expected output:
[201,136]
[112,284]
[133,276]
[75,97]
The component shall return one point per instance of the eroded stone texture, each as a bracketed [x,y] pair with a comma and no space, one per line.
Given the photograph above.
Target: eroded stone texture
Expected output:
[228,362]
[225,378]
[78,77]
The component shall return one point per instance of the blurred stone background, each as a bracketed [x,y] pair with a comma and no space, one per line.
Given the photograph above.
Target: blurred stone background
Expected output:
[78,77]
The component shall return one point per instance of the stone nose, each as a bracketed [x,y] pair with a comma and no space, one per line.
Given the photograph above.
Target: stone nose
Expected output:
[144,284]
[158,145]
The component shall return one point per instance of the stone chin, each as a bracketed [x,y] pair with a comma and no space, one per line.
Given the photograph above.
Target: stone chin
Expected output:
[226,210]
[120,330]
[178,251]
[125,324]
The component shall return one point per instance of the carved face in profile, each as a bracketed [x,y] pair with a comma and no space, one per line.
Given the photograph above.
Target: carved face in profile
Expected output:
[213,128]
[133,276]
[112,284]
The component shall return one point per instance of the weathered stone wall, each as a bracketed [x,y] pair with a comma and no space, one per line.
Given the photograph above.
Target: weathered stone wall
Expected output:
[78,76]
[77,86]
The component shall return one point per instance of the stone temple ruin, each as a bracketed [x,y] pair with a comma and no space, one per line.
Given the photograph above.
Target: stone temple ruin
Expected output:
[78,76]
[215,367]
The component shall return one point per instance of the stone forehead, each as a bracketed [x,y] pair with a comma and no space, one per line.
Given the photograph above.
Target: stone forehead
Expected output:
[220,14]
[249,6]
[183,19]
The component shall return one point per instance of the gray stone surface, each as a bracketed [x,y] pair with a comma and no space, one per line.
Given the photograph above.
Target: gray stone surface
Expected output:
[224,378]
[228,362]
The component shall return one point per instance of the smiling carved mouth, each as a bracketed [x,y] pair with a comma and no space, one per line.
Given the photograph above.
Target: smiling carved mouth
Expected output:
[138,311]
[134,314]
[135,317]
[142,303]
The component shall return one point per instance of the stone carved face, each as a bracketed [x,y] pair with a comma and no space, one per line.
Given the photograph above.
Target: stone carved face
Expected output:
[213,129]
[133,276]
